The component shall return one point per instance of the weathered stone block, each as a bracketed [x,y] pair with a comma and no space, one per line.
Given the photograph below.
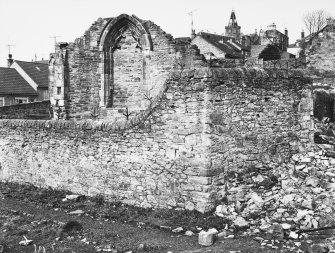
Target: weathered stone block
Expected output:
[200,180]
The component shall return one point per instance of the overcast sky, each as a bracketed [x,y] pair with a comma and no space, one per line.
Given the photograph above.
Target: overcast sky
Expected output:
[29,24]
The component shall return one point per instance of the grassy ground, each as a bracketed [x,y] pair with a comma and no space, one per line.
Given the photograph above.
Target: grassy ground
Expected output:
[41,215]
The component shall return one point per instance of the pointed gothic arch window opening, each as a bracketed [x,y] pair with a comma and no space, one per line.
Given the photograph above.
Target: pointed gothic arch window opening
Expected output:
[109,42]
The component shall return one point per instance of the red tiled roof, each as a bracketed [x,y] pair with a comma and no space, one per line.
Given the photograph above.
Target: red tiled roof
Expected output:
[37,71]
[11,82]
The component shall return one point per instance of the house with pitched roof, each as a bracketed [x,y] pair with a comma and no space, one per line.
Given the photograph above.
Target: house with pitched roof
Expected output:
[23,82]
[228,46]
[219,46]
[14,89]
[269,44]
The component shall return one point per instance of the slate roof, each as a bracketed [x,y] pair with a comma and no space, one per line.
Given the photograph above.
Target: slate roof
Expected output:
[37,71]
[183,39]
[11,82]
[241,46]
[222,43]
[256,50]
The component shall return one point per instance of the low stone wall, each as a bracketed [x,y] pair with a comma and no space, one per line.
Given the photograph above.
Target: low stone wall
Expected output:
[203,129]
[36,110]
[286,64]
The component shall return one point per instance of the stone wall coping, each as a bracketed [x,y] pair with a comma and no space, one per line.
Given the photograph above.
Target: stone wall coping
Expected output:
[240,73]
[87,124]
[117,125]
[26,104]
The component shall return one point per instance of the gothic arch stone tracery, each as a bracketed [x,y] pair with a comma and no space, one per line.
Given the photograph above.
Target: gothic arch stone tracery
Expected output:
[113,34]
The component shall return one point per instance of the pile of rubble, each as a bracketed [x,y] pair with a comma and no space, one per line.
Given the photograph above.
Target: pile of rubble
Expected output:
[297,206]
[303,196]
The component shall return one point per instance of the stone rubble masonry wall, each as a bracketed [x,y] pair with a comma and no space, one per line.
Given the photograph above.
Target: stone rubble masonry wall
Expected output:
[26,111]
[256,123]
[320,53]
[138,75]
[203,125]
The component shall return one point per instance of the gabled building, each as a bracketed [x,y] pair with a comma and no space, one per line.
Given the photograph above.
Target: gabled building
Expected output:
[23,82]
[268,41]
[228,46]
[219,46]
[14,89]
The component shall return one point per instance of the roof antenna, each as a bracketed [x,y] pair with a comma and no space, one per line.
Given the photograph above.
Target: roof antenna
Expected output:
[191,14]
[10,45]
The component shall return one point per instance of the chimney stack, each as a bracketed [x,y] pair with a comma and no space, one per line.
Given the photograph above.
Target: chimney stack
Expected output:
[193,34]
[286,32]
[302,34]
[244,41]
[9,61]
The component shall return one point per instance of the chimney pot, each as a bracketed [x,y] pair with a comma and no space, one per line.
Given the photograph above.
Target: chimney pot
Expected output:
[10,60]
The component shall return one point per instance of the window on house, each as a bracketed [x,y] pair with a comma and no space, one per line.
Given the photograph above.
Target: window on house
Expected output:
[59,90]
[21,100]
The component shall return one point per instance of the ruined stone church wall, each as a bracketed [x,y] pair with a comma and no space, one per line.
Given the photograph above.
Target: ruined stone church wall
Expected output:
[320,51]
[138,74]
[150,164]
[257,119]
[257,123]
[202,134]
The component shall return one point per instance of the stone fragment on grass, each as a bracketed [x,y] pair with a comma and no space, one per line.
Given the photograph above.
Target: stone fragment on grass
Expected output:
[177,230]
[25,242]
[240,222]
[223,233]
[207,238]
[189,206]
[71,197]
[77,212]
[189,233]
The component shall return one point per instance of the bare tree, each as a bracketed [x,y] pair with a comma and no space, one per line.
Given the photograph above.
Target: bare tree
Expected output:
[315,20]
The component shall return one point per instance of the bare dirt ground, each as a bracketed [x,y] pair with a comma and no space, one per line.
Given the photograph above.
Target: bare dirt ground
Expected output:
[42,216]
